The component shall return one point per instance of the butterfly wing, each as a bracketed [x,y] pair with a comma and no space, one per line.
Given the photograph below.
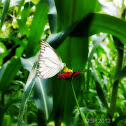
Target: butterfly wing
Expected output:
[49,61]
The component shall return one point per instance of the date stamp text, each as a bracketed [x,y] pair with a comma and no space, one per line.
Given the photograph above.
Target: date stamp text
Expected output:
[94,120]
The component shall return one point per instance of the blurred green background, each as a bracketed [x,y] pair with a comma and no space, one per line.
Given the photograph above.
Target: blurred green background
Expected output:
[89,35]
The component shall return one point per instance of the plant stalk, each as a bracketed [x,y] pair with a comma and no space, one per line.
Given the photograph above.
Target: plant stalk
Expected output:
[115,84]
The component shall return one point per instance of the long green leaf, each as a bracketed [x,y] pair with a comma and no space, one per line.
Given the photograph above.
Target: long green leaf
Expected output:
[97,23]
[42,97]
[77,10]
[5,10]
[9,73]
[52,15]
[97,42]
[29,85]
[55,40]
[20,5]
[100,93]
[3,68]
[37,27]
[28,63]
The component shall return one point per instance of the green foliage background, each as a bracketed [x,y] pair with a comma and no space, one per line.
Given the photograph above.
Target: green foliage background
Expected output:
[89,36]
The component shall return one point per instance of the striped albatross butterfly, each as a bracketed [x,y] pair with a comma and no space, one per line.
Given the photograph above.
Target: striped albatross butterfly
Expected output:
[49,61]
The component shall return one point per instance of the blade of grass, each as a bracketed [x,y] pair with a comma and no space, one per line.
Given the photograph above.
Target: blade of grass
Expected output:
[20,5]
[5,10]
[52,15]
[97,42]
[38,23]
[101,93]
[9,73]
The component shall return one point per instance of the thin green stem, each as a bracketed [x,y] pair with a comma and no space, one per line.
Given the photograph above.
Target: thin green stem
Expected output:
[82,115]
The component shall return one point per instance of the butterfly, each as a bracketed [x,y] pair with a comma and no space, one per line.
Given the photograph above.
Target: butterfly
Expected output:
[49,63]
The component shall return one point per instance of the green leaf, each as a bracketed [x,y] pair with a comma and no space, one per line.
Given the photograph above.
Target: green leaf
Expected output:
[24,15]
[121,117]
[29,85]
[28,63]
[19,51]
[42,97]
[97,23]
[20,5]
[52,15]
[0,2]
[118,44]
[97,42]
[76,118]
[9,73]
[77,10]
[5,10]
[37,27]
[9,103]
[3,51]
[100,93]
[3,68]
[55,40]
[6,120]
[41,88]
[121,75]
[123,89]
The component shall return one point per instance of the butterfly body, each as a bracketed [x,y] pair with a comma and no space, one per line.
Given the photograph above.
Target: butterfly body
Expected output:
[49,61]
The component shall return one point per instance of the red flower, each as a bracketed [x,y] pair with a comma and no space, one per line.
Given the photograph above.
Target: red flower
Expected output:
[76,73]
[68,75]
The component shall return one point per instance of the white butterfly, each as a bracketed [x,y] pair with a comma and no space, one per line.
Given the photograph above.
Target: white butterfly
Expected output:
[49,61]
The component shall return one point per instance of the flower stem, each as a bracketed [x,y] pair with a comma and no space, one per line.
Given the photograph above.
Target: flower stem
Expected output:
[82,115]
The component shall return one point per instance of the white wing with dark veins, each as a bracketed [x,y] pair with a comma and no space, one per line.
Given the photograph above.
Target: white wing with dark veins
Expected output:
[49,61]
